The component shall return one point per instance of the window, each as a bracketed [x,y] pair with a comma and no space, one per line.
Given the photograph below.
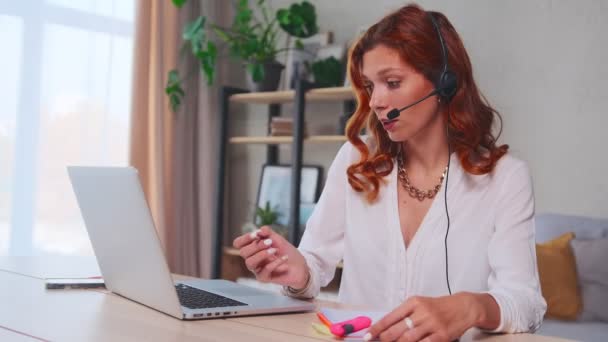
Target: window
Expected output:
[66,89]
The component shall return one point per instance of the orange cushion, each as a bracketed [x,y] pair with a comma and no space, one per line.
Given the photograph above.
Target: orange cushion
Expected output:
[558,280]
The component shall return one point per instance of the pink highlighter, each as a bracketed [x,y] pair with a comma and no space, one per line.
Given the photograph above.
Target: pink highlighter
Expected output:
[344,328]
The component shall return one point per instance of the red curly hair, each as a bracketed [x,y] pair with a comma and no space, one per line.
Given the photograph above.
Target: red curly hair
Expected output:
[410,32]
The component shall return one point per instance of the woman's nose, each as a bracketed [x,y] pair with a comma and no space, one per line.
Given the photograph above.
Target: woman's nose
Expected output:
[377,101]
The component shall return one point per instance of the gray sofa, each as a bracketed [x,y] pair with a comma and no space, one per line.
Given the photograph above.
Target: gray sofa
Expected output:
[588,327]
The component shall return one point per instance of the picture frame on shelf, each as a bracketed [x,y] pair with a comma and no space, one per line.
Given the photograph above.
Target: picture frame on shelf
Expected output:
[275,188]
[297,60]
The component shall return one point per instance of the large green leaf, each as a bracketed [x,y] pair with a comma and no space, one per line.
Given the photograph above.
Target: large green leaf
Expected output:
[208,62]
[202,48]
[179,3]
[256,70]
[299,20]
[174,90]
[194,28]
[243,15]
[212,50]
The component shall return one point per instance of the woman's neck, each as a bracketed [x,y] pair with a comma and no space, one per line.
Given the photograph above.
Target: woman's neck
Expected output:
[427,152]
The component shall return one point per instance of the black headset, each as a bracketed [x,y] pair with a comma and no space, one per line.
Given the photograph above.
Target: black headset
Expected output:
[445,85]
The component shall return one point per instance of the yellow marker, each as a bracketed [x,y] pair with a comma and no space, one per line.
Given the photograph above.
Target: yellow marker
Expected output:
[321,329]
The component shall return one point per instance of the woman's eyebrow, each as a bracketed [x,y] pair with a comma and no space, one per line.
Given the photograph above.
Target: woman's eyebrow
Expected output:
[387,70]
[381,72]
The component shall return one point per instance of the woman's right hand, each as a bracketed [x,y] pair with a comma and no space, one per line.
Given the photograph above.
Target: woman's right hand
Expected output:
[272,258]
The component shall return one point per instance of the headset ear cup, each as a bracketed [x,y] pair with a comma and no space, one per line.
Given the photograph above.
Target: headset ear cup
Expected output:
[447,85]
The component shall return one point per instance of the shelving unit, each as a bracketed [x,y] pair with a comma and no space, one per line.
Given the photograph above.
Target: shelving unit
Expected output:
[287,96]
[300,96]
[287,140]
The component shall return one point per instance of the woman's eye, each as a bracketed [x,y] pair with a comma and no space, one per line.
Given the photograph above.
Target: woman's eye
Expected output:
[393,84]
[369,88]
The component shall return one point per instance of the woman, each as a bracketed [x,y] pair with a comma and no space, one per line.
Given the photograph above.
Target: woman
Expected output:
[440,264]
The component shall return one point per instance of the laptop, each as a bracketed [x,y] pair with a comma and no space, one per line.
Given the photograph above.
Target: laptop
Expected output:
[131,258]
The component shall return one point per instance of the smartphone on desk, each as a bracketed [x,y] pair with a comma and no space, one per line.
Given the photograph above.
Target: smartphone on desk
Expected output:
[74,283]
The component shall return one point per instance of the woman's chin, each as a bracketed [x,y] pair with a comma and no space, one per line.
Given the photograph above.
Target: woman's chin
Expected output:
[396,136]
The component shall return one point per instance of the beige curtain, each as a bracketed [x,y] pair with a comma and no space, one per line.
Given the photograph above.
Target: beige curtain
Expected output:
[174,152]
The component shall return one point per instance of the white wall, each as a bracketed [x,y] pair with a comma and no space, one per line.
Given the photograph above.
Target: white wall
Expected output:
[541,63]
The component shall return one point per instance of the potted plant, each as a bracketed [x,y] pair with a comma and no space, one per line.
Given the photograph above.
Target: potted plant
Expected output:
[250,39]
[328,72]
[266,216]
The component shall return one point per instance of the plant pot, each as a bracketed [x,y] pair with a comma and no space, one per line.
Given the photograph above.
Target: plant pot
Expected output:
[272,77]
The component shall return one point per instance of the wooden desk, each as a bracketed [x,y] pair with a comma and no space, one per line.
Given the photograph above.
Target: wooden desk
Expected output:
[302,323]
[96,315]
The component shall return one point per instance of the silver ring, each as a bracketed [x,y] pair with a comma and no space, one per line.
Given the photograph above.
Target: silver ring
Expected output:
[409,323]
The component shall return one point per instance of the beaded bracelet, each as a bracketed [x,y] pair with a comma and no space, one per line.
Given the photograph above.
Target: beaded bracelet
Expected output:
[297,292]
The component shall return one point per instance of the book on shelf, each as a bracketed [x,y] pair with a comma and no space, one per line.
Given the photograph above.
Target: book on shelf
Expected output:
[283,126]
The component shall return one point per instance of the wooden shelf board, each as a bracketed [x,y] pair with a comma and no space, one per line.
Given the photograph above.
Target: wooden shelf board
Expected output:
[235,252]
[287,139]
[285,96]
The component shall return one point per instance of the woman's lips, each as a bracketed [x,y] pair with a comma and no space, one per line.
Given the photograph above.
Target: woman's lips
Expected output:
[389,125]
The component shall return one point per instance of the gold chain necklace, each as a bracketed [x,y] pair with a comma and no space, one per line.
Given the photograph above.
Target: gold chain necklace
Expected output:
[412,190]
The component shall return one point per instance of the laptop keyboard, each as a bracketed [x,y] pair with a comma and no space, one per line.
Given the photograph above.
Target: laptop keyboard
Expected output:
[194,298]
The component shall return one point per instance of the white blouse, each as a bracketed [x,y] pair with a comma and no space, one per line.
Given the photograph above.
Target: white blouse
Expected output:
[491,244]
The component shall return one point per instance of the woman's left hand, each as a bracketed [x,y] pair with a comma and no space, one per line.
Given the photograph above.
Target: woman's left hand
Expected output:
[427,319]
